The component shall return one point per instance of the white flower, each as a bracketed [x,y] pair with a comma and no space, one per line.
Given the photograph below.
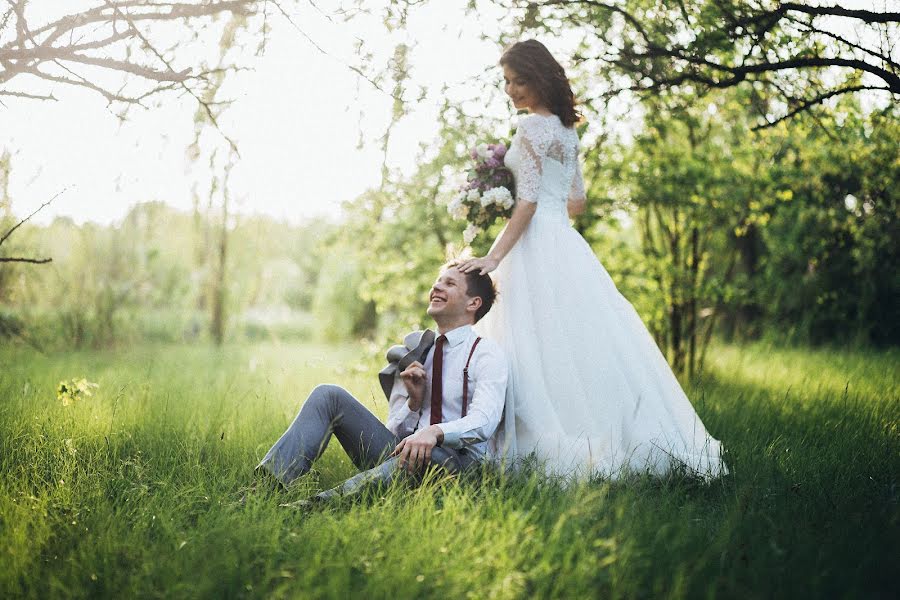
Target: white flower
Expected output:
[471,231]
[458,210]
[499,196]
[456,206]
[483,152]
[474,196]
[453,206]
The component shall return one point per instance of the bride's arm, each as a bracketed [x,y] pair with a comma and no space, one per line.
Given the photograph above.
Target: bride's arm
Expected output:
[527,189]
[518,222]
[576,207]
[577,199]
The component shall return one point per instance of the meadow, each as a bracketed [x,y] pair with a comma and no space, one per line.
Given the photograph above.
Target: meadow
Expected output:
[133,491]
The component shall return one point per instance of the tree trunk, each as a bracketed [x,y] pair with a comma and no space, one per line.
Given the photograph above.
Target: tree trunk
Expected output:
[692,304]
[747,314]
[675,304]
[217,326]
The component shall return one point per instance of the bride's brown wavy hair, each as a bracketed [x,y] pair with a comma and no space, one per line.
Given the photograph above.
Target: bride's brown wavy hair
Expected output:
[531,60]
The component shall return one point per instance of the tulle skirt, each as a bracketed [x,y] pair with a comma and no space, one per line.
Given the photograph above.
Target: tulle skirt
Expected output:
[590,393]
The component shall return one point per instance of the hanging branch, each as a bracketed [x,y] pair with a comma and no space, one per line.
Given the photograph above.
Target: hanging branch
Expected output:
[105,37]
[660,46]
[34,261]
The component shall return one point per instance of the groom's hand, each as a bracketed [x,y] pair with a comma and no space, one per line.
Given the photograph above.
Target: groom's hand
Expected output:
[415,451]
[415,379]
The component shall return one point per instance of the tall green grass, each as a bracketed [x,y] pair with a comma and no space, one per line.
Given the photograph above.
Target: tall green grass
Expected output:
[132,492]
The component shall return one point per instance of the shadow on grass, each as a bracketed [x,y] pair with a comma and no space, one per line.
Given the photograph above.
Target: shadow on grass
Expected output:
[146,507]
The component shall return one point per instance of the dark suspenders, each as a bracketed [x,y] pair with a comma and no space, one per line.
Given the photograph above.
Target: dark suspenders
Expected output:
[465,398]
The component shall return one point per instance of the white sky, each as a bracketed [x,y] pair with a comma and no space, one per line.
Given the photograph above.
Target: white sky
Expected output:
[295,121]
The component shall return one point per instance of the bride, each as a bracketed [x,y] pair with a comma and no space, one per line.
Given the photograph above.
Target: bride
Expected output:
[591,392]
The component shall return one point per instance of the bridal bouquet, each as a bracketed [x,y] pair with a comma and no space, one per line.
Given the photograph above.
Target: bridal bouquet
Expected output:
[487,194]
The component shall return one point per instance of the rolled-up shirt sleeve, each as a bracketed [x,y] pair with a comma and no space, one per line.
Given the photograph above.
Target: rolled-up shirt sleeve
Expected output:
[401,420]
[488,376]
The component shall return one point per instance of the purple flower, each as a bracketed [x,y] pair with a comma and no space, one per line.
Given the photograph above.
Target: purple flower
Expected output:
[499,151]
[493,163]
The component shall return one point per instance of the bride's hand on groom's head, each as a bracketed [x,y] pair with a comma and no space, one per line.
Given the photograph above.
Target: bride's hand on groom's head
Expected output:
[482,265]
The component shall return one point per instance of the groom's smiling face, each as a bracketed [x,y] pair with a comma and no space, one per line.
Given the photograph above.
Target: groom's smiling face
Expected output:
[449,299]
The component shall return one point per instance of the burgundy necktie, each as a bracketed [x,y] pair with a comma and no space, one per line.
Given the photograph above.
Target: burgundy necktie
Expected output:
[437,380]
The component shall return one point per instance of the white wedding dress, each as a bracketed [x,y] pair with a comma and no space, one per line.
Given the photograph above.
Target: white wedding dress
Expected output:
[590,390]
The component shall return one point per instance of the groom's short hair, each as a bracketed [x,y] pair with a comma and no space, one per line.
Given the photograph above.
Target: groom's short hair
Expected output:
[478,285]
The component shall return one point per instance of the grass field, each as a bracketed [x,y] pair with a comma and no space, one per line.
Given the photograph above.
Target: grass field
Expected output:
[131,492]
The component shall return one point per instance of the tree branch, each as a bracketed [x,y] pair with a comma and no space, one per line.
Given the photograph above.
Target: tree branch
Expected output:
[176,10]
[34,261]
[734,43]
[24,53]
[324,52]
[129,67]
[206,107]
[810,28]
[863,15]
[806,105]
[36,211]
[81,82]
[27,95]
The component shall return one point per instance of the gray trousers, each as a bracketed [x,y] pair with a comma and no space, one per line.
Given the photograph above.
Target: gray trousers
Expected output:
[331,409]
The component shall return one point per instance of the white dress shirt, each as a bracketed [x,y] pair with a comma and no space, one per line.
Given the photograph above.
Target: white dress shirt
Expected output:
[488,372]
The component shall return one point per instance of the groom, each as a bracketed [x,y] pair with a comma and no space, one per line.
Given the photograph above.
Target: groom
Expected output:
[430,419]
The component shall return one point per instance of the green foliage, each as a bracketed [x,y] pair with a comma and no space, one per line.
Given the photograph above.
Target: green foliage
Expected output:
[400,234]
[147,278]
[833,249]
[134,493]
[692,184]
[338,308]
[789,57]
[752,230]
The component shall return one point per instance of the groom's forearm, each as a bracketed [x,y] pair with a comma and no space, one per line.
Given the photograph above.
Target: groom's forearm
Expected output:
[414,403]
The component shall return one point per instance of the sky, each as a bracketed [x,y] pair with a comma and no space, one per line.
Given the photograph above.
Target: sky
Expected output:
[295,119]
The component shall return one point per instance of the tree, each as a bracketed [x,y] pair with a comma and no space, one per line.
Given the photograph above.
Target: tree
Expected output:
[405,224]
[829,260]
[83,47]
[696,183]
[4,204]
[796,56]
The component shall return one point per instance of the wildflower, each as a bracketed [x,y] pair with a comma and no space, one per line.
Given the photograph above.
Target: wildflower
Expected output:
[471,231]
[74,389]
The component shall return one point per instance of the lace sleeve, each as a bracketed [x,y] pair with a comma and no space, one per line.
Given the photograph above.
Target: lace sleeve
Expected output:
[533,141]
[576,193]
